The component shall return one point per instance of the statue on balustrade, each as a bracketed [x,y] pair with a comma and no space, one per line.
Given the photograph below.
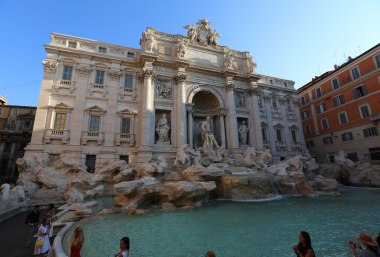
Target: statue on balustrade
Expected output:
[243,133]
[163,129]
[207,136]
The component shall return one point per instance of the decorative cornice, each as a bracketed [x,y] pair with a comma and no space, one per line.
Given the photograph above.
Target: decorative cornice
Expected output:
[50,66]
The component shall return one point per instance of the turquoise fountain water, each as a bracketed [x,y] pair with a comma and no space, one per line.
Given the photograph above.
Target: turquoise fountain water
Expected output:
[259,229]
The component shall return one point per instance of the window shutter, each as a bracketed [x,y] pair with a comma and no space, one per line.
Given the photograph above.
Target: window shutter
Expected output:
[341,99]
[364,90]
[365,132]
[335,102]
[355,93]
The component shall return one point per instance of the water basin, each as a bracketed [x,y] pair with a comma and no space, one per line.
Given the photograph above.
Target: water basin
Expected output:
[258,229]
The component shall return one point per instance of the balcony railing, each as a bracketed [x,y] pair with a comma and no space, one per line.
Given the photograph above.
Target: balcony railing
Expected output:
[126,91]
[100,88]
[280,145]
[64,84]
[374,117]
[92,136]
[60,134]
[296,145]
[125,138]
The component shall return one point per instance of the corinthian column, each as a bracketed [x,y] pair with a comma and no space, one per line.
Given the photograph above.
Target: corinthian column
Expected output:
[232,129]
[147,131]
[181,109]
[255,115]
[222,113]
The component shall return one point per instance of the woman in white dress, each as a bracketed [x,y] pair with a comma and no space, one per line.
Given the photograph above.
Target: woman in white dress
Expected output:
[42,245]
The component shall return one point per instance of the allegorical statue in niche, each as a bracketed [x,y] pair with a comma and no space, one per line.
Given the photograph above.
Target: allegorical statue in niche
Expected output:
[228,61]
[163,129]
[181,50]
[243,133]
[207,135]
[149,41]
[163,89]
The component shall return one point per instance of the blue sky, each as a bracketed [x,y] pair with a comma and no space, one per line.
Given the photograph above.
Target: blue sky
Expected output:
[295,39]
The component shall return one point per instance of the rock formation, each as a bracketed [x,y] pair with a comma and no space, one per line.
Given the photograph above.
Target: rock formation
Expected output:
[193,178]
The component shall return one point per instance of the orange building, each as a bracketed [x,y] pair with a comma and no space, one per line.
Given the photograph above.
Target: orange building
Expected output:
[340,110]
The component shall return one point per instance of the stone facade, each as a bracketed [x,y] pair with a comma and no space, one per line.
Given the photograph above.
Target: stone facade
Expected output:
[16,125]
[101,102]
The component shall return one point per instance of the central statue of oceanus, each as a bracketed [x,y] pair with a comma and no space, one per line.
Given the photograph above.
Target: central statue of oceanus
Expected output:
[207,136]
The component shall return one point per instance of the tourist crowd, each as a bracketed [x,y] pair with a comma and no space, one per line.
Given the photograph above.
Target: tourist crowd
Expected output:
[365,245]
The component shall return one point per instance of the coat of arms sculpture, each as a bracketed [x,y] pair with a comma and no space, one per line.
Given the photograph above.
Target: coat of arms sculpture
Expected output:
[202,33]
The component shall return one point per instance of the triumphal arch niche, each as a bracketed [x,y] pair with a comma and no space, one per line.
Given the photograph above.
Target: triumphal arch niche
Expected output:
[175,90]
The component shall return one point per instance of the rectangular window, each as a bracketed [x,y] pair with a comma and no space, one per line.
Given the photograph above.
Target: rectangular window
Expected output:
[327,140]
[259,101]
[278,135]
[309,143]
[325,123]
[125,125]
[321,107]
[94,122]
[353,157]
[14,112]
[128,82]
[377,60]
[335,83]
[355,73]
[294,135]
[374,153]
[370,132]
[307,129]
[359,91]
[67,72]
[288,105]
[60,121]
[130,55]
[305,114]
[342,117]
[1,111]
[90,163]
[303,101]
[271,81]
[364,111]
[102,50]
[338,100]
[318,92]
[99,77]
[274,102]
[72,44]
[285,84]
[347,136]
[264,134]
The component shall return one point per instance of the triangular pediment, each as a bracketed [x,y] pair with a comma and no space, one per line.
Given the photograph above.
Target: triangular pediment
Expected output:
[61,105]
[95,108]
[126,111]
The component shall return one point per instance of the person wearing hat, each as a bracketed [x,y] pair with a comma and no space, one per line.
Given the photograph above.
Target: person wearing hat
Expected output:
[371,247]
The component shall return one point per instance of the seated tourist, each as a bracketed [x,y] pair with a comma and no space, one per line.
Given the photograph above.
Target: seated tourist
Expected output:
[210,253]
[304,249]
[124,248]
[371,247]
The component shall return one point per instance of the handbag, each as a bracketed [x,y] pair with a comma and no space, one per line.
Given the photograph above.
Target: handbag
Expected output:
[40,243]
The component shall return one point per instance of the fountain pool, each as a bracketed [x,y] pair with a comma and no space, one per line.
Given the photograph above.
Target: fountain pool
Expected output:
[231,229]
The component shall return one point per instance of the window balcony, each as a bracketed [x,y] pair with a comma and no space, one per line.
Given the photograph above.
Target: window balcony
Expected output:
[100,88]
[127,92]
[276,113]
[291,116]
[65,85]
[296,146]
[280,145]
[124,138]
[59,134]
[92,136]
[375,117]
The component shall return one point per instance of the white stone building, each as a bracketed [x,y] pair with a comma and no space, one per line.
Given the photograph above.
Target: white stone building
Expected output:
[100,102]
